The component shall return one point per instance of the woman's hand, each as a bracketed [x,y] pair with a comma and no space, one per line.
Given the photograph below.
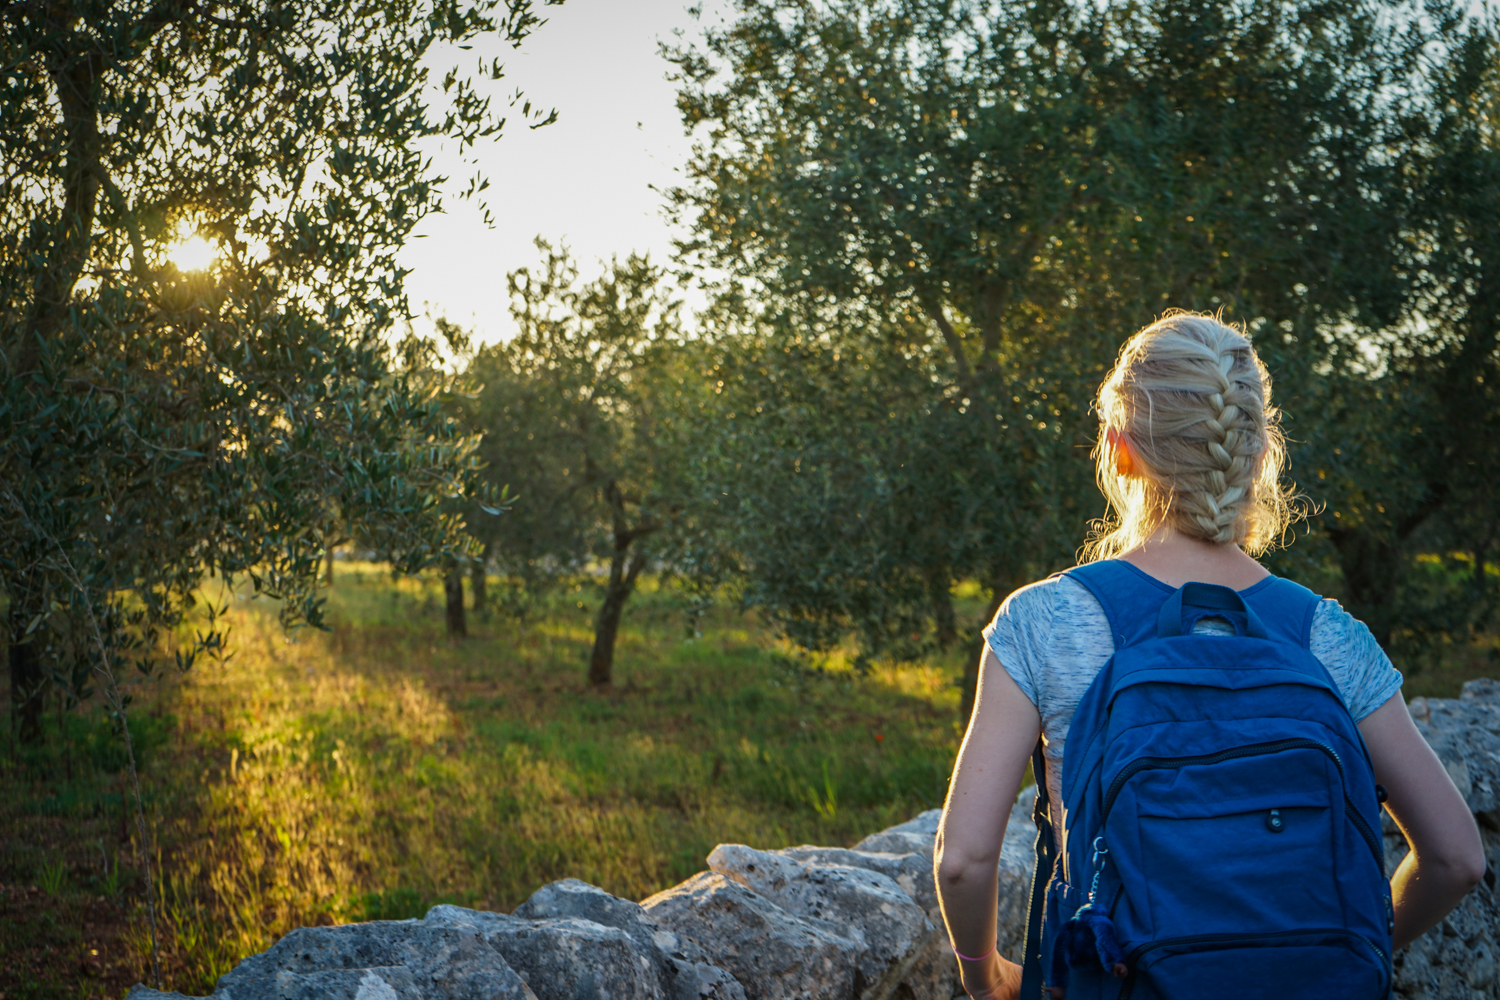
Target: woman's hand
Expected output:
[992,978]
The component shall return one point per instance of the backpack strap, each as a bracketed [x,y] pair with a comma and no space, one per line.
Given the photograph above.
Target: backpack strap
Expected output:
[1131,600]
[1286,608]
[1046,861]
[1222,601]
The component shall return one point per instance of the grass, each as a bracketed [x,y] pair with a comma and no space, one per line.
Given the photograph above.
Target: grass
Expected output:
[373,770]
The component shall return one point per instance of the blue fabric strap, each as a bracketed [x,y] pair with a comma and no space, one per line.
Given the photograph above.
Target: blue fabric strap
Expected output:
[1208,597]
[1046,861]
[1132,602]
[1130,598]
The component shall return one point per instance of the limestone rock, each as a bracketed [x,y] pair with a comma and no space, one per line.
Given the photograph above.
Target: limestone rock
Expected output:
[437,962]
[912,871]
[565,957]
[1483,691]
[934,974]
[389,983]
[916,835]
[1457,959]
[1465,733]
[685,970]
[774,954]
[923,823]
[142,992]
[856,902]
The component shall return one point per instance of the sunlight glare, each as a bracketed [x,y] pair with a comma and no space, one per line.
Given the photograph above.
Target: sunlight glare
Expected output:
[194,254]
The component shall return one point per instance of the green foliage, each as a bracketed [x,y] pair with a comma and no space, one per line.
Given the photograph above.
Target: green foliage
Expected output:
[1000,194]
[369,771]
[576,412]
[49,878]
[977,160]
[846,482]
[157,422]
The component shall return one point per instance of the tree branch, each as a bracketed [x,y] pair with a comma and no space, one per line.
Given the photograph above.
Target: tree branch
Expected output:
[122,209]
[950,336]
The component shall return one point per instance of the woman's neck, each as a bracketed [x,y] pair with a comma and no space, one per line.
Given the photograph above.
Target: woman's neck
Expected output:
[1175,559]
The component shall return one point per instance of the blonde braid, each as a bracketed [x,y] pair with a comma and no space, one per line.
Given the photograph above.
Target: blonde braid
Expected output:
[1194,401]
[1214,504]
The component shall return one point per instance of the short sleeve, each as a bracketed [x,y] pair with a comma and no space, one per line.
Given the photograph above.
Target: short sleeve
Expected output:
[1018,636]
[1359,667]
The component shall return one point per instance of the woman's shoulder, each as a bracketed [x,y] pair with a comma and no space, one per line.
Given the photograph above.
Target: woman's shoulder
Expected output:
[1337,635]
[1046,609]
[1353,657]
[1051,636]
[1052,597]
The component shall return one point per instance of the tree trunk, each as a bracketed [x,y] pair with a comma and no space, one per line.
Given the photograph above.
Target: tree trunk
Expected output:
[622,577]
[1371,564]
[328,566]
[1370,568]
[453,590]
[27,685]
[479,582]
[940,588]
[970,683]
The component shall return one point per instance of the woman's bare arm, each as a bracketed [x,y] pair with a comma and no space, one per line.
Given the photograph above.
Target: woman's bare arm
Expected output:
[1447,856]
[991,763]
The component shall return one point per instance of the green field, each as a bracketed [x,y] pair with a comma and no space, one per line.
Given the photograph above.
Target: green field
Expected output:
[375,769]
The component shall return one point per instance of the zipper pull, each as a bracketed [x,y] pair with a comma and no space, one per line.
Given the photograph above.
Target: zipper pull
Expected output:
[1096,863]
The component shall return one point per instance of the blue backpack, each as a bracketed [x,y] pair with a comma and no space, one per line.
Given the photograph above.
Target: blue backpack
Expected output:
[1222,813]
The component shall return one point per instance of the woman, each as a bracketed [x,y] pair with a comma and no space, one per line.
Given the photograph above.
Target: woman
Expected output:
[1190,458]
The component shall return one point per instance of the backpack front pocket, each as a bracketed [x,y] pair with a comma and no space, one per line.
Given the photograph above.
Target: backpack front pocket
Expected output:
[1232,844]
[1314,964]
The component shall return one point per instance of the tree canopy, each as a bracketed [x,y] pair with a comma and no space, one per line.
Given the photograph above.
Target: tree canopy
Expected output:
[1012,189]
[157,422]
[577,412]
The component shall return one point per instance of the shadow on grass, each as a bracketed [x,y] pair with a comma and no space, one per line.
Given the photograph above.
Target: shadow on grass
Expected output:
[371,771]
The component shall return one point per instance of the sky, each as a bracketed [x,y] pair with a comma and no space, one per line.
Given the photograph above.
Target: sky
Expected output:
[586,179]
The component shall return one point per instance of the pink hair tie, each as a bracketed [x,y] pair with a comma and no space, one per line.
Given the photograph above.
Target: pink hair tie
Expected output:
[981,958]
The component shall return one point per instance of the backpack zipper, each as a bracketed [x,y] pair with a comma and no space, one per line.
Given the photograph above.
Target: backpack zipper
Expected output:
[1133,959]
[1252,750]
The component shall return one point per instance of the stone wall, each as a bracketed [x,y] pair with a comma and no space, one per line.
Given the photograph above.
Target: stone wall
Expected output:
[1456,960]
[811,923]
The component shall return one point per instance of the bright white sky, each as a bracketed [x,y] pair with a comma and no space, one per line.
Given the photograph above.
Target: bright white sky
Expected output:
[586,179]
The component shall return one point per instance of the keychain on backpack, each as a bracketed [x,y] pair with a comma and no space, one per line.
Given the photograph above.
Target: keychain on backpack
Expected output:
[1089,937]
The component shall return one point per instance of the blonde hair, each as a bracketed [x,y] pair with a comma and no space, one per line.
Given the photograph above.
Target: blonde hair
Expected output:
[1195,403]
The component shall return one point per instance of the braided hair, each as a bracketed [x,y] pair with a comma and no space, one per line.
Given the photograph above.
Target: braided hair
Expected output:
[1193,400]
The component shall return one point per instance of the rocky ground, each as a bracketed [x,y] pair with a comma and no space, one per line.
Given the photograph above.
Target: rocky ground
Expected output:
[1456,960]
[811,923]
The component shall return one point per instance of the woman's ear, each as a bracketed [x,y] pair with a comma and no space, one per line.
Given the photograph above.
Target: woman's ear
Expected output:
[1124,454]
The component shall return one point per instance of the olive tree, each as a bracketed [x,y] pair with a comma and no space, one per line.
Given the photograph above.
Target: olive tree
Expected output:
[157,422]
[843,484]
[1409,464]
[1021,186]
[576,421]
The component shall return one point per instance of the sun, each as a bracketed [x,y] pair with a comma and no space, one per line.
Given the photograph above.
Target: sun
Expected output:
[194,254]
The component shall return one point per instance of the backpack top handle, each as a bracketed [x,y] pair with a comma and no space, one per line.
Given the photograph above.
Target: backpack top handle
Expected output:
[1221,602]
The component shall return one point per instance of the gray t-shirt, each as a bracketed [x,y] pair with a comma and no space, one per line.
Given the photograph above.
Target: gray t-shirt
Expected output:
[1053,638]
